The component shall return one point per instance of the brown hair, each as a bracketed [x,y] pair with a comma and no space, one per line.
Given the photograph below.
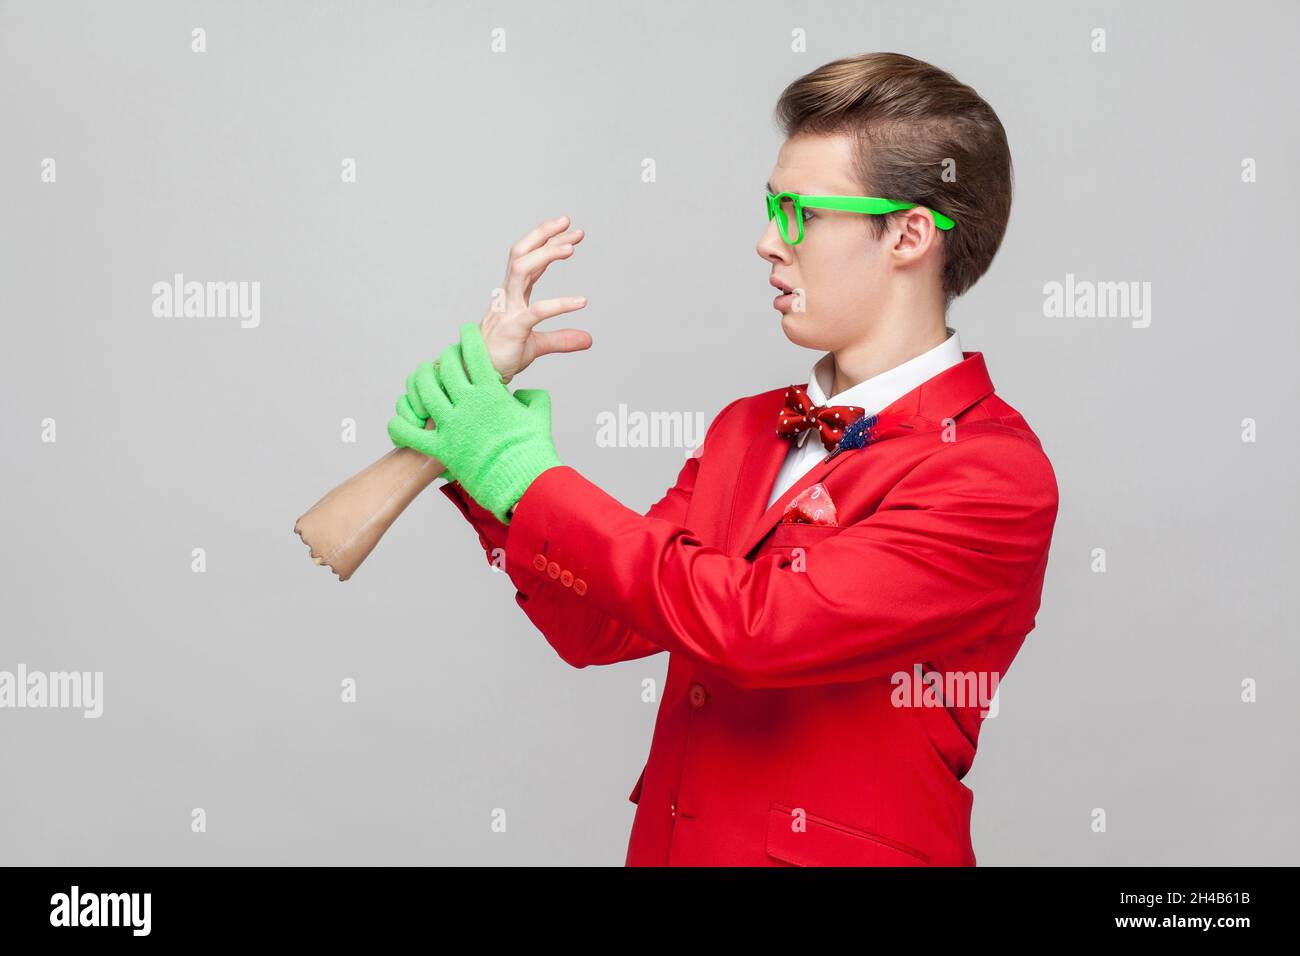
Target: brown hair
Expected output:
[906,118]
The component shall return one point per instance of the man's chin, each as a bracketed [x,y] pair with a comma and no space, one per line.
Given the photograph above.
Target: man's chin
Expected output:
[800,328]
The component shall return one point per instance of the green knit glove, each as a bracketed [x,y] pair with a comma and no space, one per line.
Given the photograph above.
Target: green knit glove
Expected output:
[492,442]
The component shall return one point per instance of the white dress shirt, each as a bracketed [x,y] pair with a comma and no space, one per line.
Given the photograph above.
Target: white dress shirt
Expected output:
[873,395]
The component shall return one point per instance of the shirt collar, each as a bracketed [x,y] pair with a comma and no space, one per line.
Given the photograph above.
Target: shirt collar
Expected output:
[890,385]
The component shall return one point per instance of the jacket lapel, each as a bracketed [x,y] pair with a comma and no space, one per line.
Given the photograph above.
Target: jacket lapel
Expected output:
[944,396]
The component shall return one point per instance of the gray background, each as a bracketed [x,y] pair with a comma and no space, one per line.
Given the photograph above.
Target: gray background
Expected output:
[222,689]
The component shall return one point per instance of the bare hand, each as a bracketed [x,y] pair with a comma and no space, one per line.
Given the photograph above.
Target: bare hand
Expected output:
[508,328]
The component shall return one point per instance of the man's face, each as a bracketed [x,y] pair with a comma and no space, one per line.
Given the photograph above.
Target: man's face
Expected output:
[839,266]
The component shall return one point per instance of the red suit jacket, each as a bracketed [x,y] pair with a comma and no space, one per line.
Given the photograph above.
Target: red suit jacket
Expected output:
[779,738]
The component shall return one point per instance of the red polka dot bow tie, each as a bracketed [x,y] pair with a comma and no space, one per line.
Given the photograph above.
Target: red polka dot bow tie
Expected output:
[799,413]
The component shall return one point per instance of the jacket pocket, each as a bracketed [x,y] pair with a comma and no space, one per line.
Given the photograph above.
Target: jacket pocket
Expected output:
[798,534]
[830,843]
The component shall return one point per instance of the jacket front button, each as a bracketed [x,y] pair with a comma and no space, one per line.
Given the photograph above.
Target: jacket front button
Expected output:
[539,561]
[553,569]
[697,695]
[672,810]
[579,586]
[566,578]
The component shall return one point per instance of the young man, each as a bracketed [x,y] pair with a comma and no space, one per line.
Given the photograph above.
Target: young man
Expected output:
[840,560]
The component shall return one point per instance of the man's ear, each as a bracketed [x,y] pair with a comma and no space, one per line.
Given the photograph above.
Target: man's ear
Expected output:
[913,232]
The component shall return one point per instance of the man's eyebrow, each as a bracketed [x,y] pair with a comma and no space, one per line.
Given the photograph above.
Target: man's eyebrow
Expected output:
[798,191]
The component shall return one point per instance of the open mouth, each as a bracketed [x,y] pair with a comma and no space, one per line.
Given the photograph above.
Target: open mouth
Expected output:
[784,300]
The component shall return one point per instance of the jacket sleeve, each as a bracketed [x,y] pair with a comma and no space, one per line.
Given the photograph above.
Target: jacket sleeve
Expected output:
[581,632]
[936,567]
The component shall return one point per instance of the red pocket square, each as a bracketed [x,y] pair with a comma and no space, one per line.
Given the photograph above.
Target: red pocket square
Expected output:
[813,505]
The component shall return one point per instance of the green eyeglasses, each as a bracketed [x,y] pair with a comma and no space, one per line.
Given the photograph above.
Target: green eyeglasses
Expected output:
[785,206]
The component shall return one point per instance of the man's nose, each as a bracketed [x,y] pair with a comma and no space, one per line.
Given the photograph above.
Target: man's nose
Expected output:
[771,247]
